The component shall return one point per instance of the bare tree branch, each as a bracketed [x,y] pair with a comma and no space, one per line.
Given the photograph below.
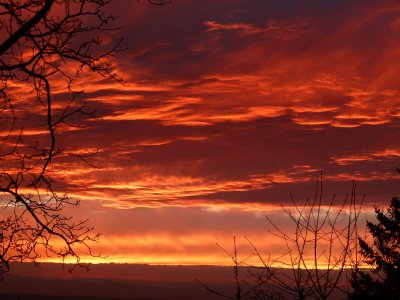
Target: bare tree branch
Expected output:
[43,42]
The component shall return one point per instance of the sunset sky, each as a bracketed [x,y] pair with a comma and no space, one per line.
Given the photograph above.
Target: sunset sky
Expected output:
[229,107]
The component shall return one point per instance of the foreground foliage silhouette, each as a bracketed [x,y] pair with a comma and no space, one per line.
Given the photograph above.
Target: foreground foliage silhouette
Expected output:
[383,256]
[318,251]
[44,46]
[364,268]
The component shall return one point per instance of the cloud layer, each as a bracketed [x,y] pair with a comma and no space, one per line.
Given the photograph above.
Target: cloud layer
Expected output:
[235,104]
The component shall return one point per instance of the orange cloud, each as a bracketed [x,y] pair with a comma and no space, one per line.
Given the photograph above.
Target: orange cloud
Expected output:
[232,112]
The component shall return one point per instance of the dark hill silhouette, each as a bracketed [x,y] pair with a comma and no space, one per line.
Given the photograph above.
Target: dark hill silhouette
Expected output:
[113,281]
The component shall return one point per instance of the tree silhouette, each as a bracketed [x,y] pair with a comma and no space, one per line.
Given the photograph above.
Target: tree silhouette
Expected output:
[44,43]
[318,250]
[249,280]
[383,256]
[321,248]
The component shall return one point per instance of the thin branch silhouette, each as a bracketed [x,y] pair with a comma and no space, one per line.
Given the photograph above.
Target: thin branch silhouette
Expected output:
[44,42]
